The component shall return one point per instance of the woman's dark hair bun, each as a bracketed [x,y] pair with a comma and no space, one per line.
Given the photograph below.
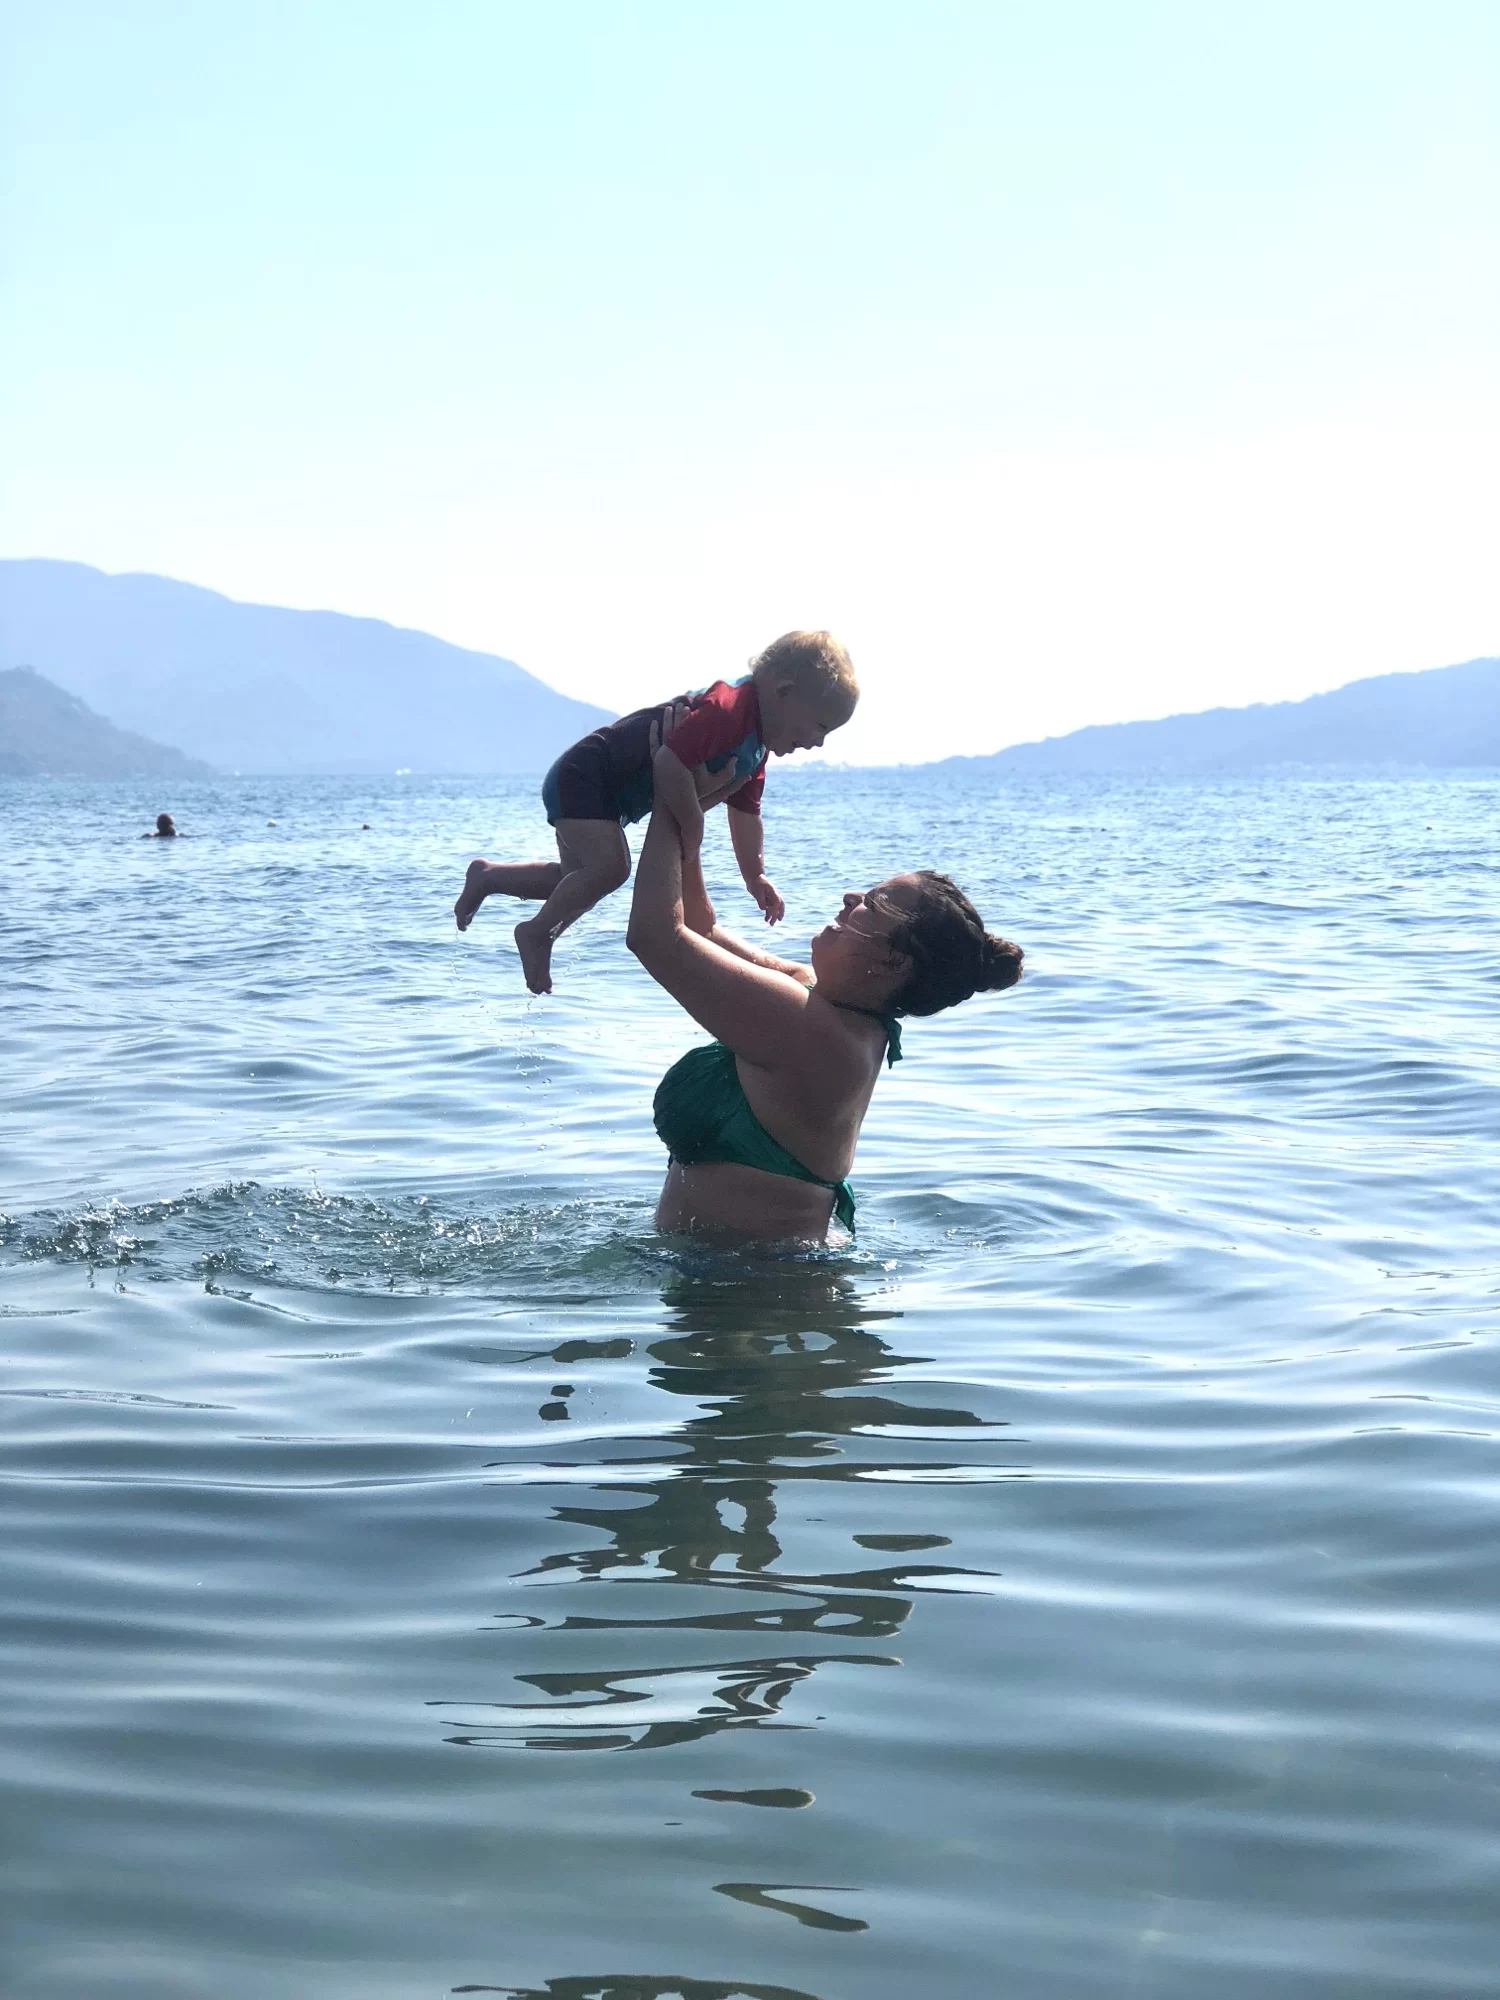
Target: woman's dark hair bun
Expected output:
[952,954]
[1001,963]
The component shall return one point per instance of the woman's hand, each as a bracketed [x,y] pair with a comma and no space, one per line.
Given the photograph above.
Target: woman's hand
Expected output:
[678,789]
[698,913]
[672,713]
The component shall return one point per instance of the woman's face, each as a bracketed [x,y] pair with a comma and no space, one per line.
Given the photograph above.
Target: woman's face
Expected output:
[855,948]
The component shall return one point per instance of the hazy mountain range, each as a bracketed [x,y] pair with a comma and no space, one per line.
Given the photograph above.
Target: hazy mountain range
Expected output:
[252,687]
[45,732]
[1445,718]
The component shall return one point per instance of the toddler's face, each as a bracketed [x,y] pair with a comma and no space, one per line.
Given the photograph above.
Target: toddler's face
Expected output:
[791,722]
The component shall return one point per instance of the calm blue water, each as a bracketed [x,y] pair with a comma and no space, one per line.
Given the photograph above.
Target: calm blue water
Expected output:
[419,1578]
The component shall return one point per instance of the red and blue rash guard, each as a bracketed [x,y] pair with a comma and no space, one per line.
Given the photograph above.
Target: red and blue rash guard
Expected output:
[607,774]
[724,729]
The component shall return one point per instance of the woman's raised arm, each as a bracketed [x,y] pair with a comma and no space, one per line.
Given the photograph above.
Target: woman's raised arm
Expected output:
[753,955]
[749,1006]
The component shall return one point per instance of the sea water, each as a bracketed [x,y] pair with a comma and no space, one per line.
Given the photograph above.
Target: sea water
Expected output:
[418,1577]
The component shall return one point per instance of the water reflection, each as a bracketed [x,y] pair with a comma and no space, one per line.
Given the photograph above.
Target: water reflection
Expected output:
[641,1986]
[773,1896]
[790,1382]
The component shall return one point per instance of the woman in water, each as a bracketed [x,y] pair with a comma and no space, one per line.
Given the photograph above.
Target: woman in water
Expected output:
[762,1123]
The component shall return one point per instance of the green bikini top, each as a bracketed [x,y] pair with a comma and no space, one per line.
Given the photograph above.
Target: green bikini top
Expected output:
[702,1115]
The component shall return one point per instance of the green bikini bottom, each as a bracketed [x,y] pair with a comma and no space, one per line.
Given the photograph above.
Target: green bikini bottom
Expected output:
[702,1115]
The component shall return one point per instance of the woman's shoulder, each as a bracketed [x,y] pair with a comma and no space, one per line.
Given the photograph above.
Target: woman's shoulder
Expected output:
[833,1045]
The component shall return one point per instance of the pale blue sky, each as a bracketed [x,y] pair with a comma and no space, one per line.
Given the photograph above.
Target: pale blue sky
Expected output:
[1074,361]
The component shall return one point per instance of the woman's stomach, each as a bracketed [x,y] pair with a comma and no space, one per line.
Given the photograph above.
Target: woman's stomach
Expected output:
[725,1199]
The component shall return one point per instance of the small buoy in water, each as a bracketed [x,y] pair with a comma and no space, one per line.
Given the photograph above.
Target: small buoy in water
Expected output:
[366,827]
[270,822]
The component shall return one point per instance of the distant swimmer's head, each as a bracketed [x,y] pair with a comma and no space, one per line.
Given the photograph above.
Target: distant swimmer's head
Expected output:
[807,689]
[166,826]
[914,944]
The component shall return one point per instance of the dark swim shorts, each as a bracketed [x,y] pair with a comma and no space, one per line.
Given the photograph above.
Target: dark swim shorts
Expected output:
[577,786]
[605,775]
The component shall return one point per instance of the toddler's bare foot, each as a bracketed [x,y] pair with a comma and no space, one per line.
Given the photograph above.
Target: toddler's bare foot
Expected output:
[472,894]
[535,948]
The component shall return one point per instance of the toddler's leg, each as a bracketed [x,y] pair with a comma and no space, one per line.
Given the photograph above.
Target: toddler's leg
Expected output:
[529,879]
[595,861]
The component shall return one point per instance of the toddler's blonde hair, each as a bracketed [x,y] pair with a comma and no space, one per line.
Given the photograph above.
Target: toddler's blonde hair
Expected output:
[818,667]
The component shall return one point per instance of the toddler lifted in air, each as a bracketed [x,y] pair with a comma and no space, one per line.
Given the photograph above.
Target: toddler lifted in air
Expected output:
[799,690]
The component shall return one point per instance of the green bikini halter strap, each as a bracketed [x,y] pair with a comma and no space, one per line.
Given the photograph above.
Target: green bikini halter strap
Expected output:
[887,1021]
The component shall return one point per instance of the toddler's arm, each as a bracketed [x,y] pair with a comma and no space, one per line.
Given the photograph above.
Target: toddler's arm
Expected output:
[748,838]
